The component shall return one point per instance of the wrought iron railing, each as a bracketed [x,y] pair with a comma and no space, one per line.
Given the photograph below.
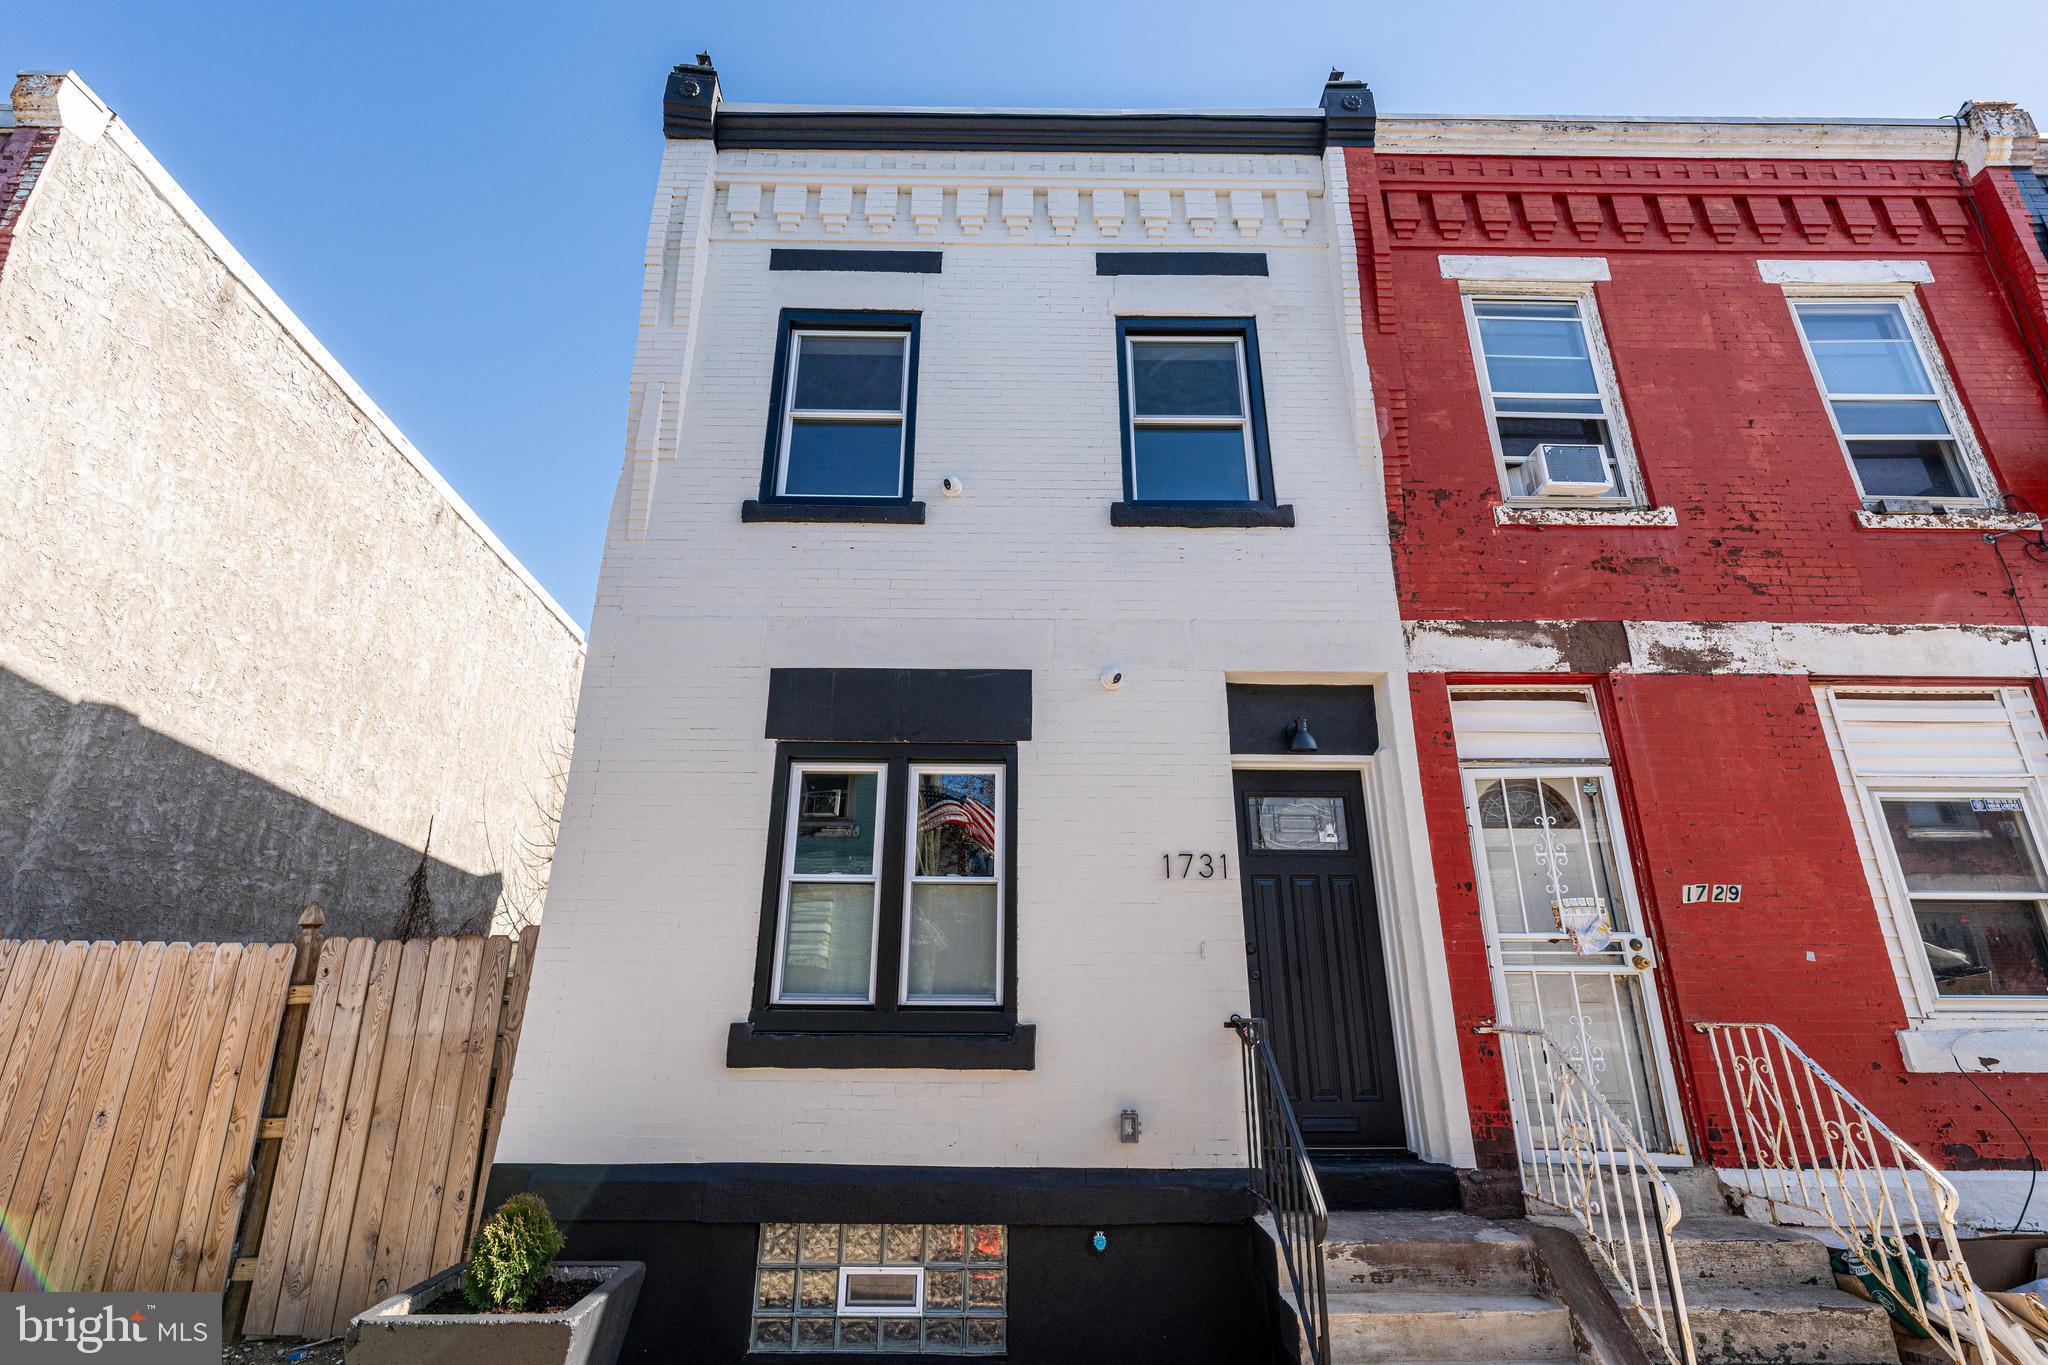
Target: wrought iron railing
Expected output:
[1580,1157]
[1285,1183]
[1811,1152]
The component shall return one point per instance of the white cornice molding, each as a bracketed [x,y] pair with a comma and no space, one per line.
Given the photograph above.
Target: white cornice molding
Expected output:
[1771,139]
[1023,207]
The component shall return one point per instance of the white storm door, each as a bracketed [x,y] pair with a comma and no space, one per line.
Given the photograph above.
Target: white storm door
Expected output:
[1548,847]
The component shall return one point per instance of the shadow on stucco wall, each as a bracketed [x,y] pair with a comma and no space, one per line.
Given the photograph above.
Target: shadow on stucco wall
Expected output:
[109,829]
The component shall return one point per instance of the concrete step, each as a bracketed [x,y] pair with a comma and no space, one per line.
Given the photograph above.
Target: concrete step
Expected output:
[1797,1325]
[1384,1182]
[1726,1251]
[1426,1251]
[1700,1191]
[1384,1326]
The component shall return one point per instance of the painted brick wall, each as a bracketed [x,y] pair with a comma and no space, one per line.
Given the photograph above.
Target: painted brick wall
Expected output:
[1728,779]
[654,909]
[1728,425]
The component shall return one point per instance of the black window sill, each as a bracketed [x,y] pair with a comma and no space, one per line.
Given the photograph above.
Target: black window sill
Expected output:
[1145,514]
[842,513]
[747,1046]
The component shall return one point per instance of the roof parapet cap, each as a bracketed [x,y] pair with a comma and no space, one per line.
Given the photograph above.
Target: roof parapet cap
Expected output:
[690,101]
[59,99]
[1999,133]
[1349,117]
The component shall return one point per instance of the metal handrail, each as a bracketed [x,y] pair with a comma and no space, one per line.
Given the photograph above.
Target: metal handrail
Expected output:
[1581,1157]
[1285,1182]
[1815,1148]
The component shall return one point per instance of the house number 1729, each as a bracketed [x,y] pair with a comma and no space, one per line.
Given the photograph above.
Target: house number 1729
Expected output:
[1184,865]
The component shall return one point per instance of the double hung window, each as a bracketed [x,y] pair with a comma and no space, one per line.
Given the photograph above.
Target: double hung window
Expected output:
[1896,424]
[1194,416]
[844,408]
[890,881]
[1971,865]
[1550,399]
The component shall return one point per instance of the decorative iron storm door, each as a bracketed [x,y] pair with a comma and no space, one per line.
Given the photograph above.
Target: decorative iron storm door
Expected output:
[1565,935]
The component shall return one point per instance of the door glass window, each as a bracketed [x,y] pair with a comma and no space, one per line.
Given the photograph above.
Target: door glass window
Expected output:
[1548,843]
[1298,824]
[1974,873]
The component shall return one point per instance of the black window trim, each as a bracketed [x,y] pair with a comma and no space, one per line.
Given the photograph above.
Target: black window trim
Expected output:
[1263,510]
[885,1015]
[787,325]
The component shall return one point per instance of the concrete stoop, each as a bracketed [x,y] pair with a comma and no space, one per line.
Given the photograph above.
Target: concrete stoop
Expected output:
[1415,1286]
[1757,1293]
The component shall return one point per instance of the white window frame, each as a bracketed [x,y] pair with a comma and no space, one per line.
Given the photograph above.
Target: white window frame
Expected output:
[863,1310]
[1243,420]
[1874,792]
[873,880]
[1969,455]
[1628,481]
[911,881]
[841,416]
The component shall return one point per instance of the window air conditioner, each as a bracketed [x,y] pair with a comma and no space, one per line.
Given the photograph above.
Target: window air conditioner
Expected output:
[1569,471]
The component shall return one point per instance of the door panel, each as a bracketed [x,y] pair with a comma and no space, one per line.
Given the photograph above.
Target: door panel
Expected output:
[1313,948]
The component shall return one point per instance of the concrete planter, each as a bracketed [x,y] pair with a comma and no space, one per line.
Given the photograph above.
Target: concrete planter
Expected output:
[588,1332]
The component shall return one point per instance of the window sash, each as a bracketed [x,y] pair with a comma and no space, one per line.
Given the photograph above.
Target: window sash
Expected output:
[1504,403]
[912,880]
[1241,423]
[792,878]
[1876,795]
[792,414]
[1936,394]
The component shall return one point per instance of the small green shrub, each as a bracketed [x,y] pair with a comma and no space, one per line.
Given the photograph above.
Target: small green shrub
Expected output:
[513,1252]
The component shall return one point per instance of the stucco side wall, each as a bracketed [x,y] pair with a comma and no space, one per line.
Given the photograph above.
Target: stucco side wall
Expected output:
[250,651]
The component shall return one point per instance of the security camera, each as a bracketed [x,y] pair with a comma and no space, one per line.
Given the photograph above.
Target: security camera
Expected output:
[1112,679]
[951,487]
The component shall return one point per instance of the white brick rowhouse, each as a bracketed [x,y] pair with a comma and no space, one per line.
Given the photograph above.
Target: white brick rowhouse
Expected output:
[254,650]
[667,1102]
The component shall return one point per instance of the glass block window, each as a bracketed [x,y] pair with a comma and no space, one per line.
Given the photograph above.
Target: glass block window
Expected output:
[933,1288]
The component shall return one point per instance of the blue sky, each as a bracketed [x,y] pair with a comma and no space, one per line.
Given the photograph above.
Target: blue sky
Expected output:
[454,195]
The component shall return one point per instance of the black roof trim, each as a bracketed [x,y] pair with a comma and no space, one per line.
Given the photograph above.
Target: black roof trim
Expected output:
[1051,131]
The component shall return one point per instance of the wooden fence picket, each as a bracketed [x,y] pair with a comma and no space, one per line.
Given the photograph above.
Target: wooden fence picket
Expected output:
[306,1126]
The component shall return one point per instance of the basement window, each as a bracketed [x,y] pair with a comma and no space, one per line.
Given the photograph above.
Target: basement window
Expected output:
[932,1288]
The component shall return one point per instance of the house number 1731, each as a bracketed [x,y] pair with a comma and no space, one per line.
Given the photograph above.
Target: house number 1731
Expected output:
[1184,865]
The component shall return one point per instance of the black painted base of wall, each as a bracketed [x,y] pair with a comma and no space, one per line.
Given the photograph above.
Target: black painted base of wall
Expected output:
[1195,1287]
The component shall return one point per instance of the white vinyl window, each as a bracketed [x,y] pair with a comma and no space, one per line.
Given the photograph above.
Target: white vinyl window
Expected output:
[1191,433]
[1891,404]
[953,892]
[826,925]
[884,1291]
[1552,409]
[1971,867]
[843,406]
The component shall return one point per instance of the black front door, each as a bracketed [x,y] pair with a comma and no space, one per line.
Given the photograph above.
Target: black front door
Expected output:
[1312,939]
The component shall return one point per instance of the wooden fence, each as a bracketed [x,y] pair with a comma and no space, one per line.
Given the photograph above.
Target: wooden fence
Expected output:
[306,1127]
[129,1089]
